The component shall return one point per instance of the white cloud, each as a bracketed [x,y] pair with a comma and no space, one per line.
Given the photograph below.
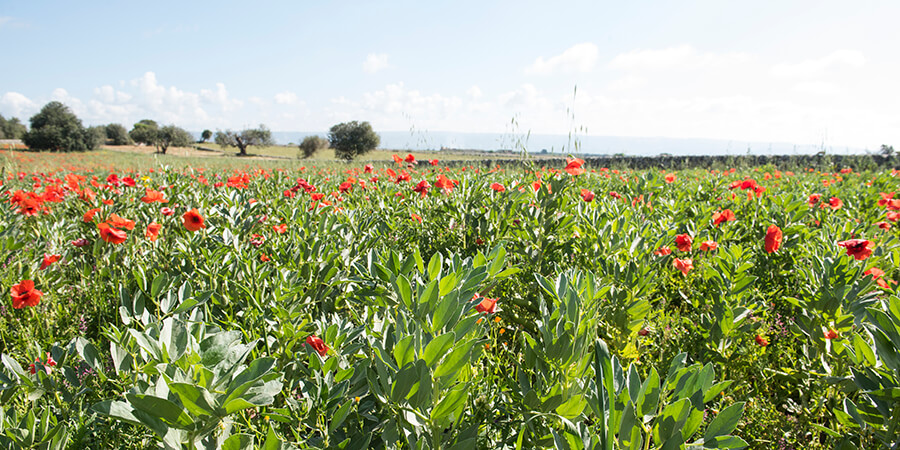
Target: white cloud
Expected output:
[375,62]
[817,88]
[578,58]
[474,92]
[286,98]
[15,104]
[817,67]
[5,20]
[680,57]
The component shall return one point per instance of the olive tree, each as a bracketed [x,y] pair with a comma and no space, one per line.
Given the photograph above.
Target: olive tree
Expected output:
[117,134]
[11,128]
[56,128]
[312,144]
[145,132]
[351,139]
[261,136]
[205,135]
[173,136]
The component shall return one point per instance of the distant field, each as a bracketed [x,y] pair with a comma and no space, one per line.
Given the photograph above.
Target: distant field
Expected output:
[117,158]
[282,151]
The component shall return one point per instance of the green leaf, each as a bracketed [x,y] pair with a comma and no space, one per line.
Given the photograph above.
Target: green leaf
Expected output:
[194,398]
[339,416]
[572,407]
[434,266]
[454,361]
[405,351]
[648,398]
[238,442]
[732,442]
[170,413]
[725,422]
[452,403]
[404,289]
[438,347]
[671,420]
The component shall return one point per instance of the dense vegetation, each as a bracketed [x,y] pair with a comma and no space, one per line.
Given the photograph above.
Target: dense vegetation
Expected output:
[424,307]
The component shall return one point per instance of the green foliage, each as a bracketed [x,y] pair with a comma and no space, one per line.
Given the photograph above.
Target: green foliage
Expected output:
[312,144]
[11,128]
[352,139]
[56,128]
[170,135]
[324,308]
[206,135]
[117,134]
[145,132]
[261,136]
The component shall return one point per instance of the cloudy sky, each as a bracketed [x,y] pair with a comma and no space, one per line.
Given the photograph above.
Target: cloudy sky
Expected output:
[804,72]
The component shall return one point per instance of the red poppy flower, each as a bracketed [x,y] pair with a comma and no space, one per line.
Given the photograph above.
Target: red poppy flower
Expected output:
[166,211]
[830,334]
[263,257]
[193,221]
[444,183]
[814,199]
[587,195]
[487,305]
[317,344]
[857,248]
[883,225]
[773,239]
[724,216]
[24,294]
[497,187]
[835,203]
[643,332]
[397,159]
[761,341]
[422,188]
[893,216]
[80,242]
[684,265]
[573,166]
[410,159]
[416,217]
[706,246]
[110,234]
[118,222]
[433,162]
[615,194]
[368,168]
[153,196]
[280,229]
[684,242]
[48,260]
[663,251]
[152,231]
[670,178]
[89,215]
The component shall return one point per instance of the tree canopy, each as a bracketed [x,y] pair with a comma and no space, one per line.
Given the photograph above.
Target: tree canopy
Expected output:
[261,136]
[312,144]
[11,128]
[170,135]
[145,132]
[205,136]
[117,134]
[351,139]
[56,128]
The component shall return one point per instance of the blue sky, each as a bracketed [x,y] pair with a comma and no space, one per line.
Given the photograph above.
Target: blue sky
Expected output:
[804,72]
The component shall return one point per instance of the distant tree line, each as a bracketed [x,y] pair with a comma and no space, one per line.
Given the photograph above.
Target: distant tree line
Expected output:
[56,128]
